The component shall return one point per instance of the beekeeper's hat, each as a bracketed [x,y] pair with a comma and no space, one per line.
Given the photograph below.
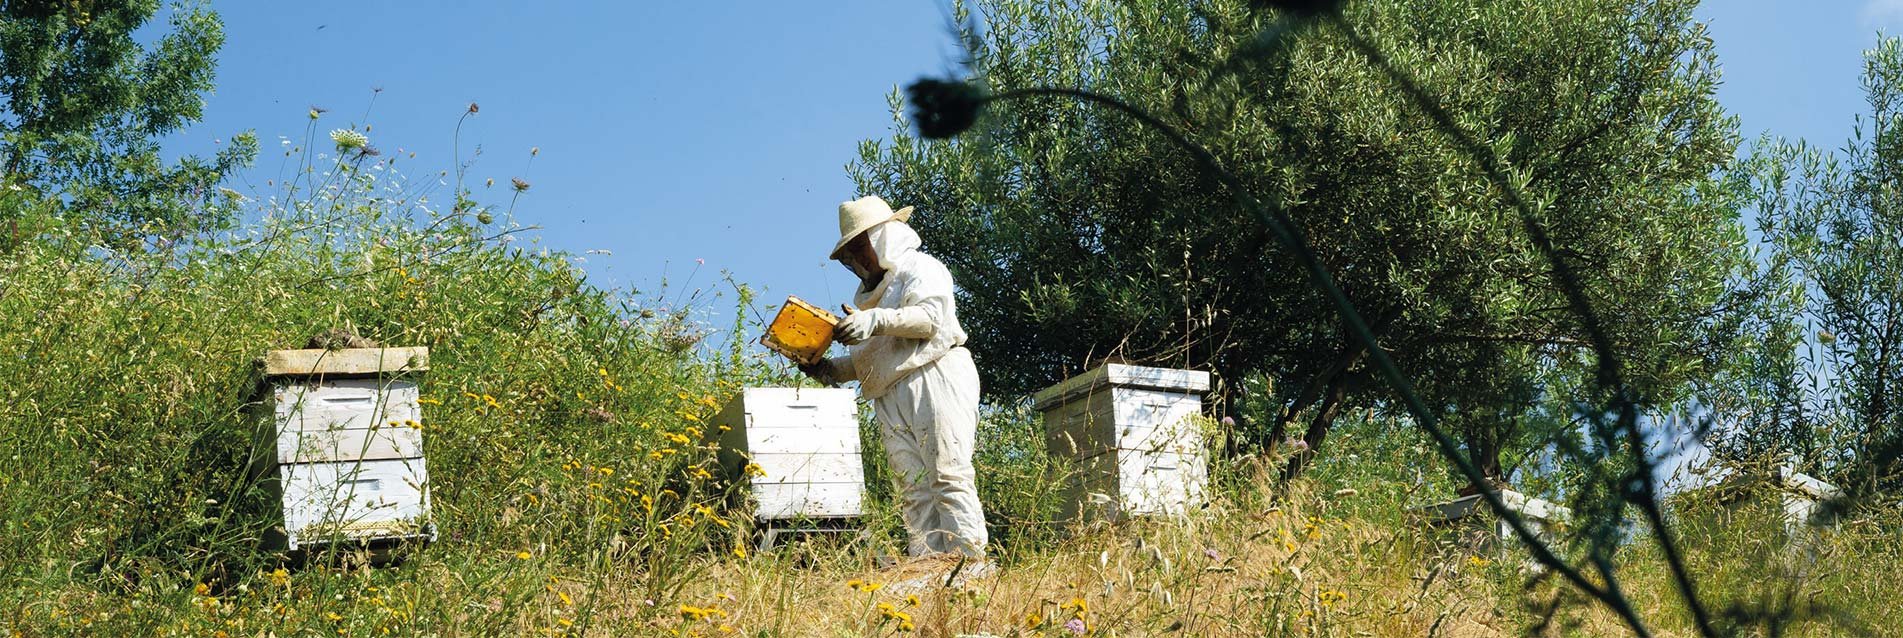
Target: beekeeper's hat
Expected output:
[860,215]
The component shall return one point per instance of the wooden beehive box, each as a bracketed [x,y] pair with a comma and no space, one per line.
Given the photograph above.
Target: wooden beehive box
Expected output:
[343,448]
[805,442]
[1478,530]
[1135,436]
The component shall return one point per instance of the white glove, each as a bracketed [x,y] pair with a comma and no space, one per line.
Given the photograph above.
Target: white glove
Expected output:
[856,327]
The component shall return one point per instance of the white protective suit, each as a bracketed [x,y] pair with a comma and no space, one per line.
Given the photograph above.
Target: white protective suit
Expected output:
[924,392]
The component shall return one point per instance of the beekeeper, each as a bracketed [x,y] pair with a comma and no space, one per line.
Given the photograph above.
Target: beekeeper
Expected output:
[907,353]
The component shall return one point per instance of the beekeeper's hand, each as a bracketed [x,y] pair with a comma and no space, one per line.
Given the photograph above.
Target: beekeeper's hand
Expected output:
[856,327]
[823,372]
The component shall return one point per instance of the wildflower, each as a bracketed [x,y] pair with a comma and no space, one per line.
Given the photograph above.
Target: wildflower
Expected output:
[1079,605]
[606,471]
[201,589]
[523,555]
[518,184]
[911,599]
[280,577]
[739,551]
[1329,597]
[1477,561]
[754,469]
[855,584]
[1032,620]
[702,473]
[690,612]
[871,587]
[1076,626]
[348,140]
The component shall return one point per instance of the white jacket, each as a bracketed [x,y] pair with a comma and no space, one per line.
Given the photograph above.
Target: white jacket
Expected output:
[915,319]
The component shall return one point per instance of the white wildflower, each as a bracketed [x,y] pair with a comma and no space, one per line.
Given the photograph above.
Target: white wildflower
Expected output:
[348,140]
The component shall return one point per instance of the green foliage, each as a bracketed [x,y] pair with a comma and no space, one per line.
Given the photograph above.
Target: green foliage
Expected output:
[1091,237]
[557,414]
[85,106]
[1833,226]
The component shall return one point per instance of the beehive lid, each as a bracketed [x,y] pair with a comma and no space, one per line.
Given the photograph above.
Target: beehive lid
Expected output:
[1122,376]
[346,362]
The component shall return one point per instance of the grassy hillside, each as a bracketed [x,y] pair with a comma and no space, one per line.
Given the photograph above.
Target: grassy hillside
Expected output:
[561,428]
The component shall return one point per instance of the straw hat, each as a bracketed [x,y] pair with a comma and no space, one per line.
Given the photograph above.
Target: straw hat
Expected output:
[860,215]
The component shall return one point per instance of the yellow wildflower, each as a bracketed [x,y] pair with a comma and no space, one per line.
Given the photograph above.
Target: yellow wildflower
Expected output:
[523,555]
[855,584]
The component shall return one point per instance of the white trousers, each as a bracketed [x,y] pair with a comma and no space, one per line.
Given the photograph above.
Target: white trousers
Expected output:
[929,420]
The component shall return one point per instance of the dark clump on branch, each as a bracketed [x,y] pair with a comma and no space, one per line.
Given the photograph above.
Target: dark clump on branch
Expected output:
[943,109]
[1302,8]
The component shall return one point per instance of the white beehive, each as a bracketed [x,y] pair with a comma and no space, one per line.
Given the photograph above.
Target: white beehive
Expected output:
[344,451]
[1133,434]
[1480,531]
[806,444]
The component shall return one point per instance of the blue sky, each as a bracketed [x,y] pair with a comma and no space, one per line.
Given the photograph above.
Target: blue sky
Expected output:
[676,132]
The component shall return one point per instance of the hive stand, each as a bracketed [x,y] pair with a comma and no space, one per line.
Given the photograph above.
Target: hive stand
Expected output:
[338,449]
[1134,438]
[806,443]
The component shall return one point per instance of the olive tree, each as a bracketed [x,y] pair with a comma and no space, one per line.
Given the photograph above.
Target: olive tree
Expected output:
[1079,237]
[1831,392]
